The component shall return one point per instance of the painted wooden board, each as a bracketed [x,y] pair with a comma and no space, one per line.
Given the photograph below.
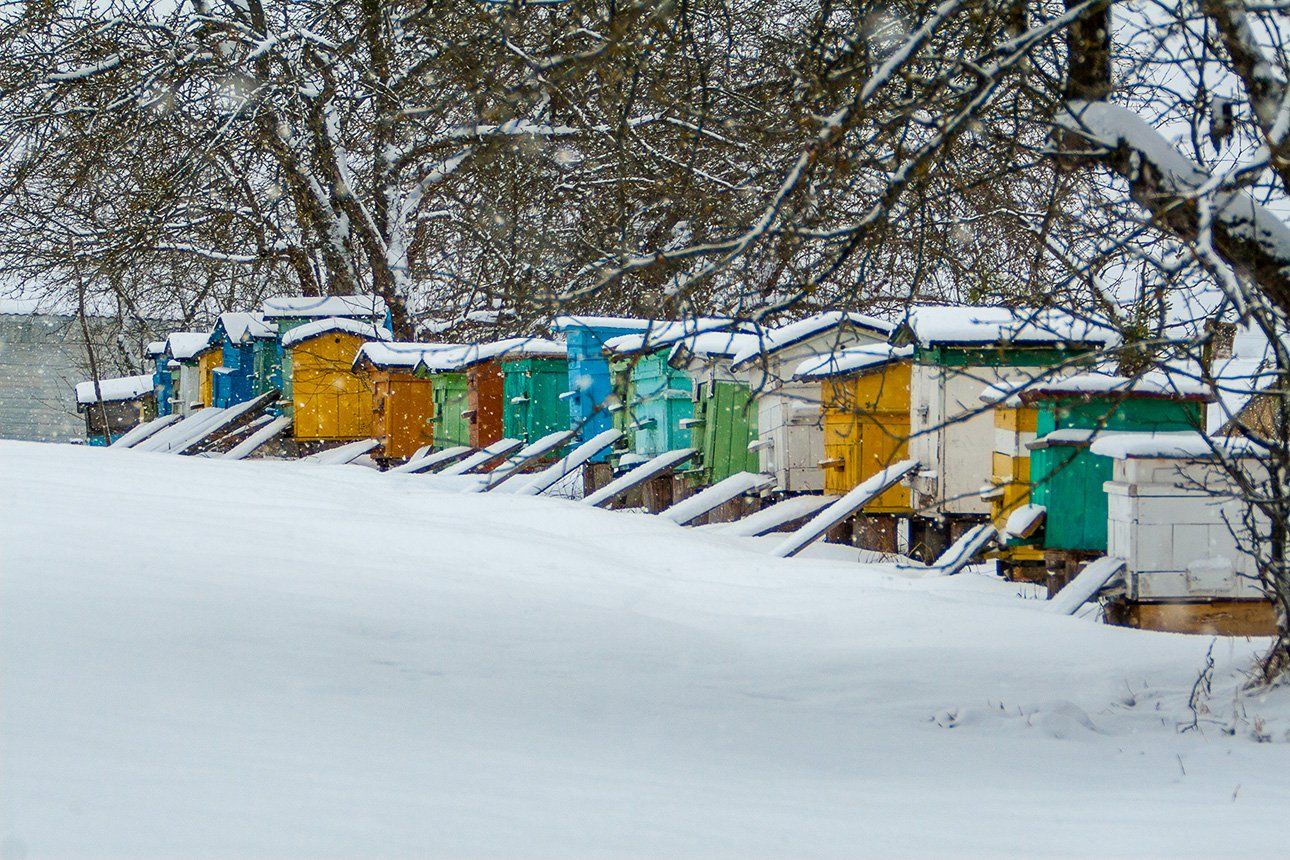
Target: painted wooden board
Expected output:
[651,468]
[194,425]
[962,551]
[484,456]
[843,508]
[779,514]
[433,460]
[547,478]
[260,437]
[145,430]
[710,498]
[1084,587]
[524,458]
[342,454]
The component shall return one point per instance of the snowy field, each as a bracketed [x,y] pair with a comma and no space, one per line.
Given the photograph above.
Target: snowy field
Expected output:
[202,659]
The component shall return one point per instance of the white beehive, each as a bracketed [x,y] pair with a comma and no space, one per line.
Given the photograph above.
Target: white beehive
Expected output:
[790,441]
[1173,517]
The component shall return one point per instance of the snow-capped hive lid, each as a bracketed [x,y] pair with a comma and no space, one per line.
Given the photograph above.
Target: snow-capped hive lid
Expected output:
[770,341]
[309,331]
[121,388]
[241,326]
[321,307]
[393,354]
[155,349]
[1185,445]
[187,345]
[564,323]
[1158,384]
[660,335]
[452,357]
[852,360]
[974,325]
[713,345]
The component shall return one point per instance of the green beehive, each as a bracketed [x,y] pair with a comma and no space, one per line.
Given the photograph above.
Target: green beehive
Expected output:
[533,397]
[724,421]
[450,393]
[1067,477]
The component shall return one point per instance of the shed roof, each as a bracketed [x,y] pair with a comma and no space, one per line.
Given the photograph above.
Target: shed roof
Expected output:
[770,341]
[664,334]
[974,325]
[309,331]
[852,360]
[319,307]
[1162,384]
[186,345]
[714,344]
[1186,445]
[241,326]
[450,357]
[121,388]
[389,354]
[564,323]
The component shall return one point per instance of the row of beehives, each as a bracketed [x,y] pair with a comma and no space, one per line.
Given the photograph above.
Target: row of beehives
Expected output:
[820,405]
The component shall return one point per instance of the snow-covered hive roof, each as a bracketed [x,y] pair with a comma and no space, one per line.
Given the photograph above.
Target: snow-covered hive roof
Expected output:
[186,345]
[663,334]
[770,341]
[394,354]
[1161,383]
[970,325]
[121,388]
[713,344]
[447,357]
[319,307]
[241,326]
[309,331]
[155,348]
[564,323]
[851,360]
[1186,445]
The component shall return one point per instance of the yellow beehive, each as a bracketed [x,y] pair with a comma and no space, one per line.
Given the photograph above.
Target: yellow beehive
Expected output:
[330,400]
[212,358]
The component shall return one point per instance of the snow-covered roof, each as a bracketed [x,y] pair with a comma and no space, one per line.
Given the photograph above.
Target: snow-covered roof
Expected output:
[770,341]
[241,326]
[308,331]
[663,334]
[564,323]
[851,360]
[932,325]
[1067,436]
[122,388]
[450,357]
[714,344]
[186,345]
[155,348]
[1159,383]
[1186,445]
[394,354]
[318,307]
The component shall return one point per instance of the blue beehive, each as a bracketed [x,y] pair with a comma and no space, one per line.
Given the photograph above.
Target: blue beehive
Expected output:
[589,384]
[248,345]
[161,379]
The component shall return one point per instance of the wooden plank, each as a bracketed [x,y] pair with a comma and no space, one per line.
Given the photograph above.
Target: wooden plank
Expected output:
[483,457]
[169,440]
[651,468]
[844,507]
[689,510]
[1204,618]
[342,454]
[962,551]
[779,514]
[547,478]
[430,461]
[1084,587]
[525,457]
[145,430]
[260,437]
[232,417]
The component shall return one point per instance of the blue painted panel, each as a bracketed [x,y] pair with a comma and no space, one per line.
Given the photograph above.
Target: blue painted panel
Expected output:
[162,385]
[589,381]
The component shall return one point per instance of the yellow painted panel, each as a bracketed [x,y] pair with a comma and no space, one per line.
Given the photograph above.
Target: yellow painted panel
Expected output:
[331,401]
[1013,475]
[207,362]
[1024,419]
[404,413]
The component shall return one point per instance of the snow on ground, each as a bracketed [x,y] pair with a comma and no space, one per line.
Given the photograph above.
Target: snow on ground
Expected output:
[219,659]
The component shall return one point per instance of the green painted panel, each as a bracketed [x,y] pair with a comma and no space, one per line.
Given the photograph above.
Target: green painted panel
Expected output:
[728,425]
[450,394]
